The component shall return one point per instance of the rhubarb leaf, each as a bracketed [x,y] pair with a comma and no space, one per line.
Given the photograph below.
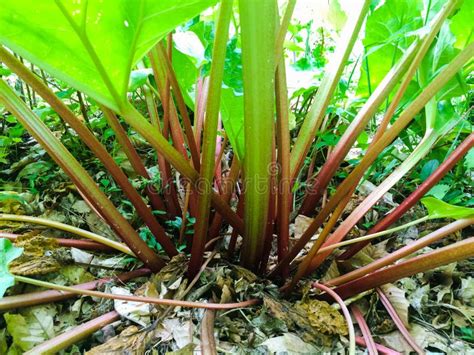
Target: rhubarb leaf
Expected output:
[92,45]
[461,24]
[32,326]
[440,209]
[8,253]
[390,29]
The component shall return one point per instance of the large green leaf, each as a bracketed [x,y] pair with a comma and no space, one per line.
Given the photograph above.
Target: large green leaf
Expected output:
[462,25]
[440,209]
[388,32]
[232,111]
[92,45]
[8,253]
[232,100]
[187,74]
[440,55]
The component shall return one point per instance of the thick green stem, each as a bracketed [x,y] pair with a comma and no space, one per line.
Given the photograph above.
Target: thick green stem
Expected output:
[283,29]
[204,188]
[283,144]
[258,63]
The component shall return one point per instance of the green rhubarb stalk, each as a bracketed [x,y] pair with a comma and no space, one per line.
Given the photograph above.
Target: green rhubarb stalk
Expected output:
[374,235]
[204,187]
[383,90]
[258,63]
[283,144]
[283,29]
[432,134]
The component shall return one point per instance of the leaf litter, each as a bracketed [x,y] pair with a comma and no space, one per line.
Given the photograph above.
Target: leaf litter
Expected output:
[434,305]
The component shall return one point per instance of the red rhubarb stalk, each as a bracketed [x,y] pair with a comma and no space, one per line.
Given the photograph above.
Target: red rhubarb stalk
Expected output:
[416,195]
[383,350]
[421,263]
[49,296]
[402,252]
[398,322]
[345,311]
[364,328]
[74,335]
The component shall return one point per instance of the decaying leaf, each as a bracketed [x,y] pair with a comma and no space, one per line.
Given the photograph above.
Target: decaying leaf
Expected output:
[425,338]
[289,343]
[466,291]
[84,257]
[323,317]
[38,266]
[35,244]
[302,223]
[182,331]
[295,318]
[186,350]
[32,327]
[398,300]
[12,202]
[132,341]
[369,253]
[76,274]
[35,260]
[137,312]
[3,341]
[331,273]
